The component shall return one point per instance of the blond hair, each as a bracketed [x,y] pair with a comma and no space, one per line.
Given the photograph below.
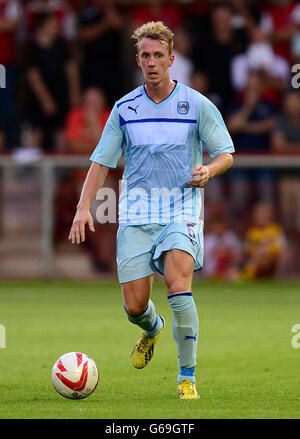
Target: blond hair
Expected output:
[154,30]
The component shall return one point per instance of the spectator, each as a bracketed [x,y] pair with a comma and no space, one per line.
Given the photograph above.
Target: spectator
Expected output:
[182,67]
[250,122]
[265,245]
[53,80]
[223,251]
[83,129]
[157,10]
[260,56]
[280,21]
[286,140]
[60,9]
[286,135]
[10,16]
[251,118]
[214,49]
[84,124]
[101,26]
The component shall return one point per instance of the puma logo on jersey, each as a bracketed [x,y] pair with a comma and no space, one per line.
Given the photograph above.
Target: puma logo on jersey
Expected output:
[133,109]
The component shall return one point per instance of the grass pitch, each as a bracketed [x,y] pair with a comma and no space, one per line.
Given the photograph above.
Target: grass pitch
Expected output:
[247,367]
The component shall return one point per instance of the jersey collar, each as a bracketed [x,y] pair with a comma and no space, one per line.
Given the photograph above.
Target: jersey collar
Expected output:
[164,101]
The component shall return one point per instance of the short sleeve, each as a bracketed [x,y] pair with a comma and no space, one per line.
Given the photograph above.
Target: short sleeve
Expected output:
[110,147]
[212,129]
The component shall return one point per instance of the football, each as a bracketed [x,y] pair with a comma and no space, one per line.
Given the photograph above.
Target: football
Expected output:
[75,375]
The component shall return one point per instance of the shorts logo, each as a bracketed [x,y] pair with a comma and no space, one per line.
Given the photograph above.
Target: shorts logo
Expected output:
[183,107]
[191,233]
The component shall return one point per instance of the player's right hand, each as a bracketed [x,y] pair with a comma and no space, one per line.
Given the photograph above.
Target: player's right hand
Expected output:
[77,232]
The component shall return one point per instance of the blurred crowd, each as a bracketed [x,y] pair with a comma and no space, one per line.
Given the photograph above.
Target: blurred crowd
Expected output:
[67,62]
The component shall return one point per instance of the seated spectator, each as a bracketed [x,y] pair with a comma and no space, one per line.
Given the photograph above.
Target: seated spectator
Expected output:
[223,251]
[53,81]
[265,245]
[286,140]
[10,18]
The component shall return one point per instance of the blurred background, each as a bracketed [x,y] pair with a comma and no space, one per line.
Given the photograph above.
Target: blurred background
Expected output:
[66,62]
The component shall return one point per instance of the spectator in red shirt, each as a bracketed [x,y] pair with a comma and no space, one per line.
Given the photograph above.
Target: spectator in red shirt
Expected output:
[223,251]
[83,130]
[84,124]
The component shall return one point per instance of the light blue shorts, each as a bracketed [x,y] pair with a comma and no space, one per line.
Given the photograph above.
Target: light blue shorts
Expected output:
[140,248]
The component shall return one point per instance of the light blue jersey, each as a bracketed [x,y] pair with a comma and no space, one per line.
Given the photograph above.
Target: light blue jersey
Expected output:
[161,143]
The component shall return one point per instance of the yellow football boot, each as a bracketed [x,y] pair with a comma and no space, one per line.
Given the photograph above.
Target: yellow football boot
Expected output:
[144,348]
[187,390]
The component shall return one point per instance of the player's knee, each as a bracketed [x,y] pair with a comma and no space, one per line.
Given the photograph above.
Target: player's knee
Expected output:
[135,308]
[178,286]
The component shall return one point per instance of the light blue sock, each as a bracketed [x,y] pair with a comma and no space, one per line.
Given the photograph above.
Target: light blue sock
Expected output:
[149,321]
[185,331]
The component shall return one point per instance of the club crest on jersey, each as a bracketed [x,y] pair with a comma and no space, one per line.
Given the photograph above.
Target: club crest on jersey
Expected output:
[183,107]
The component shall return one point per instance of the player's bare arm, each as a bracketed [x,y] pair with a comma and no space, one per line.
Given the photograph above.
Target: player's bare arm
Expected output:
[202,173]
[94,181]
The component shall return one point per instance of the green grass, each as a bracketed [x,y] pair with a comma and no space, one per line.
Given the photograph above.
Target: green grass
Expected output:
[247,366]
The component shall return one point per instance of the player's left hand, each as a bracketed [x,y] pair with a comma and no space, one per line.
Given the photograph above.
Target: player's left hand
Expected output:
[200,176]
